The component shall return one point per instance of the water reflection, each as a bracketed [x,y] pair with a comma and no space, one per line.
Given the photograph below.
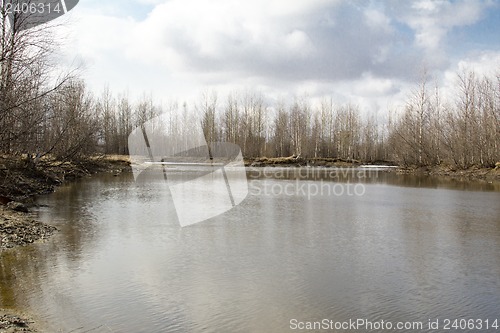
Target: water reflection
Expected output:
[370,176]
[120,261]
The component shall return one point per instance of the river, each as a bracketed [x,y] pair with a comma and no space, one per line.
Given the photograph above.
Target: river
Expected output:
[300,248]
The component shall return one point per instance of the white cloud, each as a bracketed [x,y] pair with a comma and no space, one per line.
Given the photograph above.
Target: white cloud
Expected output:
[483,64]
[426,5]
[224,30]
[370,86]
[432,20]
[376,19]
[281,48]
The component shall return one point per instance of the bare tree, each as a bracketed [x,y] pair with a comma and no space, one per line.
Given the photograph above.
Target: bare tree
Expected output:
[25,71]
[414,127]
[347,131]
[327,127]
[282,134]
[106,110]
[369,140]
[72,131]
[299,126]
[207,109]
[124,124]
[231,120]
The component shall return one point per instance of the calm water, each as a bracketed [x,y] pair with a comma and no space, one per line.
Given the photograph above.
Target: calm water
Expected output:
[401,248]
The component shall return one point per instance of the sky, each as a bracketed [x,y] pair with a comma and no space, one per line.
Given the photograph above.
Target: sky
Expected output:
[369,53]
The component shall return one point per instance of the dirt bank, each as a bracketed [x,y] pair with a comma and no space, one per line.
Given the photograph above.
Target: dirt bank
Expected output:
[295,161]
[10,323]
[470,174]
[20,181]
[19,229]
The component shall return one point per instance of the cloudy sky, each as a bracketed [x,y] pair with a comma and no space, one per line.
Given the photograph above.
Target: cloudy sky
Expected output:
[366,52]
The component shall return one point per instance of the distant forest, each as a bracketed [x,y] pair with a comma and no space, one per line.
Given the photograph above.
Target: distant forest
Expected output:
[43,113]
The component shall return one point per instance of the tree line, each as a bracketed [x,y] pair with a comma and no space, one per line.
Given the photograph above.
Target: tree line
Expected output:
[43,113]
[430,129]
[70,122]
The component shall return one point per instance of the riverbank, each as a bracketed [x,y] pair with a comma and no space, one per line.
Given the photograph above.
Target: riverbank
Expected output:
[471,174]
[295,161]
[10,323]
[21,181]
[20,229]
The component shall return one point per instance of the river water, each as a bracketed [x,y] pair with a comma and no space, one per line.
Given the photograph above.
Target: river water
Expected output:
[300,248]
